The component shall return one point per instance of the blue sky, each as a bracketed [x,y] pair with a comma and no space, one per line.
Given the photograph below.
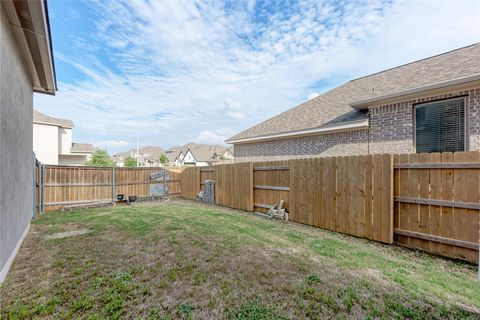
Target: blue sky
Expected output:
[201,71]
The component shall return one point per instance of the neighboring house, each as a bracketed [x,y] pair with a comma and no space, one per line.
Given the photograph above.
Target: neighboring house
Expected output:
[172,156]
[431,105]
[228,155]
[26,64]
[200,155]
[52,142]
[178,159]
[152,156]
[147,156]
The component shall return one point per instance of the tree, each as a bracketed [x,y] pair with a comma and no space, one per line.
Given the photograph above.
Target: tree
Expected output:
[100,158]
[130,162]
[163,160]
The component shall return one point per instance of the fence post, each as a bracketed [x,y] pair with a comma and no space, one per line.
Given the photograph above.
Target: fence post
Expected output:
[164,181]
[34,184]
[43,173]
[113,184]
[252,191]
[199,185]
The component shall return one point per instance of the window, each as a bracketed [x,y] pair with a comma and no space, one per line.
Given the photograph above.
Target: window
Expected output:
[440,126]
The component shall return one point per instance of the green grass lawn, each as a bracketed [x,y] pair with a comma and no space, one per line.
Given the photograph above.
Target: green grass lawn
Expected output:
[182,260]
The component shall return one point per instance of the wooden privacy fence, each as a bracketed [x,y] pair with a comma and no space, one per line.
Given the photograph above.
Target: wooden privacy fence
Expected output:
[425,201]
[352,195]
[67,185]
[437,203]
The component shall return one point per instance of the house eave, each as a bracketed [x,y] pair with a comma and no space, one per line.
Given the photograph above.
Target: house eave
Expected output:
[346,126]
[363,104]
[31,29]
[52,124]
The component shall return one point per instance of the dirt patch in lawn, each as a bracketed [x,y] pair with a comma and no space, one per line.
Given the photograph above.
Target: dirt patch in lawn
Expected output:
[66,234]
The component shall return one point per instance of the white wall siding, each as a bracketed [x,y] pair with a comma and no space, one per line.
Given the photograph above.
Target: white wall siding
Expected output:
[65,140]
[45,143]
[72,160]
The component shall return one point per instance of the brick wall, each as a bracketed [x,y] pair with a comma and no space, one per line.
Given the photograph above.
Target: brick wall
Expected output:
[473,118]
[333,144]
[391,126]
[391,131]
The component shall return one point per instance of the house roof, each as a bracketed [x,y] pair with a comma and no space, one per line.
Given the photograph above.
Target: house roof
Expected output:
[152,152]
[334,107]
[172,154]
[205,152]
[39,117]
[82,148]
[148,153]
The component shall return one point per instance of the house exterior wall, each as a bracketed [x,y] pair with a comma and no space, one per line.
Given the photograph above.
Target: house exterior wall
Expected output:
[16,171]
[189,159]
[333,144]
[64,140]
[45,143]
[72,159]
[391,130]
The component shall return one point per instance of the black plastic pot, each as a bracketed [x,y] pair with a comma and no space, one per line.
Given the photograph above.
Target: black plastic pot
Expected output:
[132,198]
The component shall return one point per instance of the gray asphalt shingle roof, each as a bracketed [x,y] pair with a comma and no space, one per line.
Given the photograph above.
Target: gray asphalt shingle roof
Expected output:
[333,107]
[82,147]
[43,118]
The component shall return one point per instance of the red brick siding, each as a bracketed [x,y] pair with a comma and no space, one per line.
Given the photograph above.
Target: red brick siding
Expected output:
[391,131]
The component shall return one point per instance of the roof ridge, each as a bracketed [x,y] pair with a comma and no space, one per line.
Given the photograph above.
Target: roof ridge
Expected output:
[40,117]
[415,61]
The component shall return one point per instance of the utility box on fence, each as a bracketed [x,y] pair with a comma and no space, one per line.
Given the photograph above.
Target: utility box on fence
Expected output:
[159,184]
[209,192]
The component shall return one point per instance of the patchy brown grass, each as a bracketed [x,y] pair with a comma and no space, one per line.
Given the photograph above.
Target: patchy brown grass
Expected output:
[183,260]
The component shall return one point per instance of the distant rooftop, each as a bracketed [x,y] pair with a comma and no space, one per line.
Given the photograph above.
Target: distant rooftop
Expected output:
[82,148]
[39,117]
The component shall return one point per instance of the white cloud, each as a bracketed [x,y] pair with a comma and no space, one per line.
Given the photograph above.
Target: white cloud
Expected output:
[213,137]
[111,143]
[183,70]
[313,95]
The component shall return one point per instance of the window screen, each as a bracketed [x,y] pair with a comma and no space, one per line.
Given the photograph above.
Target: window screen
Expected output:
[440,126]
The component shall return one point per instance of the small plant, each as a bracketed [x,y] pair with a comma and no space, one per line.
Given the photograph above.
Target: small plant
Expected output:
[256,311]
[313,278]
[199,278]
[83,303]
[185,310]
